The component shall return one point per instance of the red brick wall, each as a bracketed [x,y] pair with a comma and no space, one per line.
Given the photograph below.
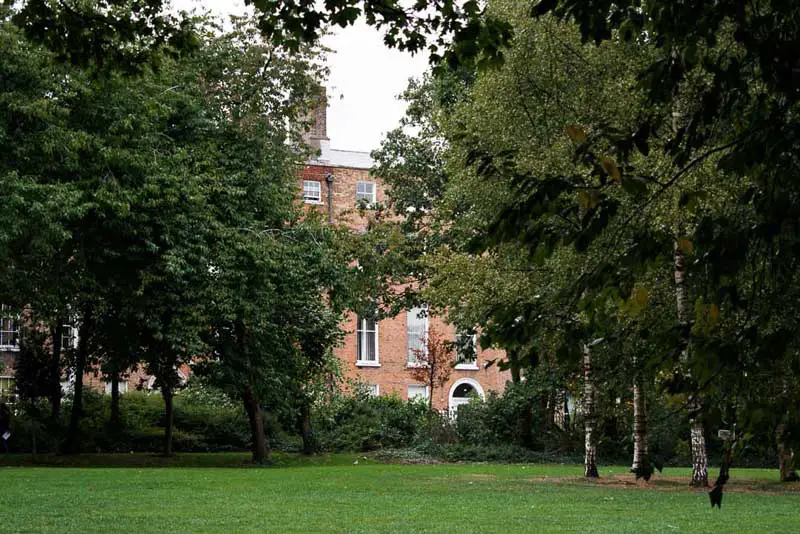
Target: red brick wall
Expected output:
[392,377]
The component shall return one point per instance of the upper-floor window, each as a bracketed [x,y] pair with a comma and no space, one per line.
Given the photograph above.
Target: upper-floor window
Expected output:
[466,350]
[367,342]
[365,192]
[9,329]
[312,192]
[416,333]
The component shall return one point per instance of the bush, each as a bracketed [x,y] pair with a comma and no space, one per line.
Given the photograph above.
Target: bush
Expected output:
[204,421]
[511,418]
[359,422]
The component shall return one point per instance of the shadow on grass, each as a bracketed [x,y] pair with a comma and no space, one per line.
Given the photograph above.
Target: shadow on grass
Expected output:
[180,460]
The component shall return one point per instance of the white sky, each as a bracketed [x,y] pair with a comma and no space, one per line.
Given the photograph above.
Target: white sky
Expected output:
[365,79]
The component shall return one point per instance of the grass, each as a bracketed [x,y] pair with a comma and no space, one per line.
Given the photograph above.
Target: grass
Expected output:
[216,493]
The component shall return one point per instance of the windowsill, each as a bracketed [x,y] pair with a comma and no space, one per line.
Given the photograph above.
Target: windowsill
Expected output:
[467,367]
[415,365]
[9,348]
[314,202]
[367,363]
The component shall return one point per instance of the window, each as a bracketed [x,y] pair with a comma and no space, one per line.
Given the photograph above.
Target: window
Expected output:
[69,337]
[312,192]
[365,192]
[373,390]
[367,342]
[9,329]
[416,333]
[7,389]
[466,350]
[416,391]
[123,387]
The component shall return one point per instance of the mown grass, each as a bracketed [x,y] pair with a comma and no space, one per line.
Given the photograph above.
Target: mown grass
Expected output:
[214,493]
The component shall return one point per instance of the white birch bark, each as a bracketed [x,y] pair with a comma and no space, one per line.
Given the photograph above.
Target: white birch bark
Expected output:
[697,435]
[641,450]
[589,416]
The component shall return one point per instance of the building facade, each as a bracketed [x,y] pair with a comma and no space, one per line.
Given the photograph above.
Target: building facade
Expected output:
[381,354]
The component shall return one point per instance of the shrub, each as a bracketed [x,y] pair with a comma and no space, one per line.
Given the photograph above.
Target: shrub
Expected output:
[513,417]
[204,421]
[359,422]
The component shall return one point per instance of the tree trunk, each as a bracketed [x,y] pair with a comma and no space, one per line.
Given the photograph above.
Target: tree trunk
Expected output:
[589,416]
[71,445]
[114,419]
[305,428]
[260,445]
[514,367]
[698,440]
[699,457]
[55,370]
[560,412]
[169,418]
[525,424]
[641,453]
[785,455]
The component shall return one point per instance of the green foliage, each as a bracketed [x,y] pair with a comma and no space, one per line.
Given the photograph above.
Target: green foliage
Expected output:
[33,371]
[204,421]
[360,422]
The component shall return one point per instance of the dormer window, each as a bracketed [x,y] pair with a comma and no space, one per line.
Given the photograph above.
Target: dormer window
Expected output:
[312,192]
[365,192]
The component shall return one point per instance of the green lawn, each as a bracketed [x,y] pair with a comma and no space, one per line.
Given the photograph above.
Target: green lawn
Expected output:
[217,493]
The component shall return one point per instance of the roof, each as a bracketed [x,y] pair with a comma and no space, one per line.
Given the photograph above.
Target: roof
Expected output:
[342,158]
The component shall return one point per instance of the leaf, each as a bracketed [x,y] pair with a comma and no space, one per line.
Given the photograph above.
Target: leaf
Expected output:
[588,199]
[576,133]
[640,297]
[713,315]
[634,186]
[685,245]
[610,166]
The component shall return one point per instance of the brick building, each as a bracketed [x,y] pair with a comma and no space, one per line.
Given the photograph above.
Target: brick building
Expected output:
[380,354]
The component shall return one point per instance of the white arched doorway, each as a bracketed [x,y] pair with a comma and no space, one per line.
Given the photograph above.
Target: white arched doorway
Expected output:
[462,391]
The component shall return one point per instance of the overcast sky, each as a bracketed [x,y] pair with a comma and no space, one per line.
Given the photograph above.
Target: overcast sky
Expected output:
[365,79]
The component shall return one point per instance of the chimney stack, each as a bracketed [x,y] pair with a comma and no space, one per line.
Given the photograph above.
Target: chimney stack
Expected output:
[318,134]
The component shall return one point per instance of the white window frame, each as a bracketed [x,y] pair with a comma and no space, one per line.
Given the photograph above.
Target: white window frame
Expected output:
[412,360]
[361,330]
[69,336]
[371,197]
[374,390]
[468,366]
[424,395]
[123,387]
[310,187]
[9,397]
[12,332]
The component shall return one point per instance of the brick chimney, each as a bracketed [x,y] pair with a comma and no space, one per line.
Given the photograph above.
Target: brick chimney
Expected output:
[317,136]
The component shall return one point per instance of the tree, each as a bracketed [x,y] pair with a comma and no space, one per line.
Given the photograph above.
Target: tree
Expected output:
[434,363]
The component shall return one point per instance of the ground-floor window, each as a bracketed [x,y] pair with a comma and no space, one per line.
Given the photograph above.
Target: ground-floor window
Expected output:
[8,390]
[123,387]
[367,341]
[417,391]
